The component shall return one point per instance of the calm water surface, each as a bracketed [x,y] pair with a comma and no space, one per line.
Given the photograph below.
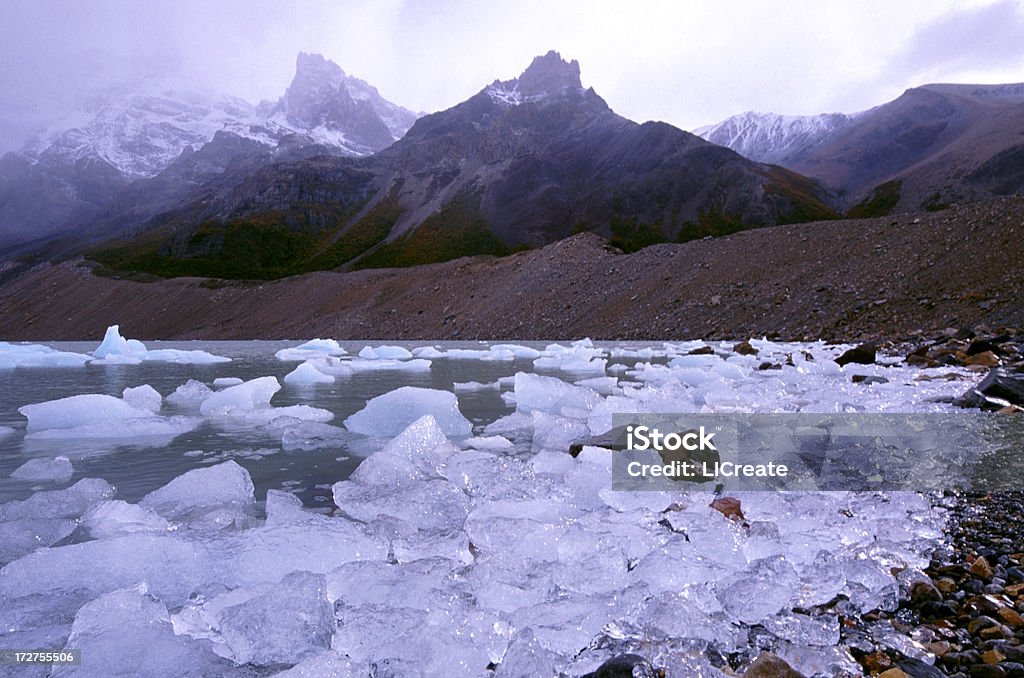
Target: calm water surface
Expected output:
[138,466]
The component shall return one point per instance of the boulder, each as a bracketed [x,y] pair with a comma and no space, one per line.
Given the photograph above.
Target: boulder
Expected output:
[862,355]
[1000,388]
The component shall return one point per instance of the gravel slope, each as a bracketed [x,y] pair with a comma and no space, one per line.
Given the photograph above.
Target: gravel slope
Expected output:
[890,277]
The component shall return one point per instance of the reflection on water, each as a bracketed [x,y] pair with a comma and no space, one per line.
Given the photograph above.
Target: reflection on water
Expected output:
[136,467]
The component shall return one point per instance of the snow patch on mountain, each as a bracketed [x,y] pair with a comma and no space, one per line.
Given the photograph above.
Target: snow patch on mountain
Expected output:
[140,129]
[769,137]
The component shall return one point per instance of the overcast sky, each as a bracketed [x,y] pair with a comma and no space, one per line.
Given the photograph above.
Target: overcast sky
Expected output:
[687,63]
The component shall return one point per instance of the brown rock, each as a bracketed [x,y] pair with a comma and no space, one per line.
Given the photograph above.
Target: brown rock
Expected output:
[945,585]
[996,632]
[981,568]
[744,348]
[728,507]
[893,673]
[768,665]
[939,648]
[985,359]
[1011,617]
[876,662]
[993,656]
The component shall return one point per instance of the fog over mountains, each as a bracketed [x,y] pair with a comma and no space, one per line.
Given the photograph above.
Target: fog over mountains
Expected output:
[62,178]
[174,182]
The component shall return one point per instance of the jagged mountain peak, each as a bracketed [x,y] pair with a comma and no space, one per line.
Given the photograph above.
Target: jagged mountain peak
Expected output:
[546,75]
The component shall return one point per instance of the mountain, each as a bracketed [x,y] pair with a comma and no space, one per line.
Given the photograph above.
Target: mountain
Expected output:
[932,146]
[70,174]
[524,162]
[769,137]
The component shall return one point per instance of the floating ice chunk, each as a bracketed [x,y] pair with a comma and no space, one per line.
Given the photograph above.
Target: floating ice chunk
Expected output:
[519,352]
[243,398]
[385,364]
[311,349]
[699,360]
[487,355]
[224,382]
[335,367]
[56,470]
[288,623]
[190,394]
[5,431]
[326,663]
[525,656]
[36,355]
[19,537]
[391,413]
[116,349]
[172,567]
[306,374]
[80,410]
[416,453]
[314,544]
[71,502]
[762,590]
[143,397]
[454,638]
[114,344]
[431,504]
[552,432]
[181,357]
[309,435]
[428,352]
[490,443]
[573,364]
[225,485]
[128,633]
[604,385]
[475,386]
[484,474]
[552,395]
[116,517]
[270,415]
[385,353]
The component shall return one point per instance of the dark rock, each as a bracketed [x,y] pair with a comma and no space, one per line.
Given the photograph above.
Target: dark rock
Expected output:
[981,346]
[868,379]
[924,591]
[987,671]
[999,388]
[769,366]
[625,666]
[744,348]
[768,665]
[935,610]
[862,355]
[703,350]
[915,668]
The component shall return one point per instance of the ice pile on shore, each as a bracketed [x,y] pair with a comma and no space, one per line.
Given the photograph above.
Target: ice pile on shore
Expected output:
[454,547]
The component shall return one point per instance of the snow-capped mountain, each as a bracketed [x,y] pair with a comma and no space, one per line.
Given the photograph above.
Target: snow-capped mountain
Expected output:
[768,137]
[70,172]
[140,133]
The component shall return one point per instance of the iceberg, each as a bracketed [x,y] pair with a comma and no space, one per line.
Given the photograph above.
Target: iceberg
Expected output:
[56,470]
[36,355]
[391,413]
[115,349]
[315,348]
[306,374]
